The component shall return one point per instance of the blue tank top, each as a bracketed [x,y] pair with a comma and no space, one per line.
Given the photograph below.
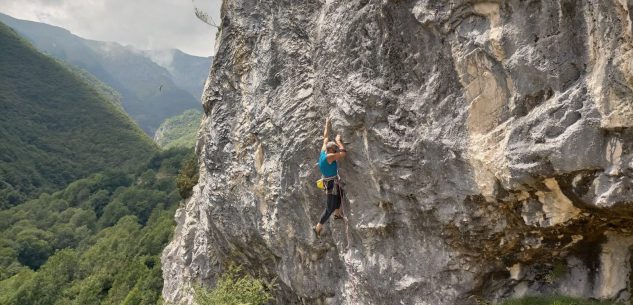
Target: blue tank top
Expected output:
[327,170]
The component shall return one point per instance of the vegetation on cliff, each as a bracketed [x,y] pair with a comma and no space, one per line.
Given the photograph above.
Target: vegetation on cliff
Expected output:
[234,287]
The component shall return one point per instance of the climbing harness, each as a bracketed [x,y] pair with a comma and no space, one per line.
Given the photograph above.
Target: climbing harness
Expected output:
[322,183]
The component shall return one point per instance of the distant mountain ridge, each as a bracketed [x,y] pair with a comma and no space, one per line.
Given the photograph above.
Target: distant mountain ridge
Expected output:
[154,85]
[56,124]
[187,71]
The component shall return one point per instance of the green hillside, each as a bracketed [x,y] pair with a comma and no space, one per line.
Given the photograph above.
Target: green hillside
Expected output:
[150,93]
[180,130]
[55,127]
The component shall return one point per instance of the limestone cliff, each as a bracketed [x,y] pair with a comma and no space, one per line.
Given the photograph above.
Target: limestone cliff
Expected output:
[490,155]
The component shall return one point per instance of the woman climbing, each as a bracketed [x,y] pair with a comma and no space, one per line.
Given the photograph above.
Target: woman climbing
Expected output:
[330,153]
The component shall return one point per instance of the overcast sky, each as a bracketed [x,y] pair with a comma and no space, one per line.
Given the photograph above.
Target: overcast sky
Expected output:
[145,24]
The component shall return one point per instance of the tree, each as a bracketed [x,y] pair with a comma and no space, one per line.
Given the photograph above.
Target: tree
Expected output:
[33,247]
[204,17]
[187,177]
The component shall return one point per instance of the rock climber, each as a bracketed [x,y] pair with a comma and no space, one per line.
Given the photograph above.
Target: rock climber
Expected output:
[330,153]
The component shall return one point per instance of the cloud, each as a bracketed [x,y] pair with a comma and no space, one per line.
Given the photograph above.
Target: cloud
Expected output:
[145,24]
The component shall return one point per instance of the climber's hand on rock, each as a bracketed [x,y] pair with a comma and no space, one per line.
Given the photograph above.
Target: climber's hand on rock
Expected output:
[338,138]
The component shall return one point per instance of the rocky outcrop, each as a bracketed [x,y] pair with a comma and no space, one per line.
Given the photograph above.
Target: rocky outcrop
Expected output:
[490,151]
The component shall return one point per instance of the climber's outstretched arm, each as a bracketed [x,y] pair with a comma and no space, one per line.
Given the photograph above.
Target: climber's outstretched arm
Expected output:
[340,154]
[326,133]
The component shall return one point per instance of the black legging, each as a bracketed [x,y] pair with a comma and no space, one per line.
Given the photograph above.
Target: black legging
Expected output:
[333,201]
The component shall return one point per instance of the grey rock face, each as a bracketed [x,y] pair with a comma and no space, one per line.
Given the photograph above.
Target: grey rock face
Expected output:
[490,151]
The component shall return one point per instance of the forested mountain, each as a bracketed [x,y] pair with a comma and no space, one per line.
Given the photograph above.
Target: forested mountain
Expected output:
[56,125]
[96,242]
[87,198]
[154,85]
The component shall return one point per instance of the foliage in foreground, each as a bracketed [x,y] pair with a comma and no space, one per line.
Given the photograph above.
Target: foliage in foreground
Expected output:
[555,300]
[96,242]
[235,287]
